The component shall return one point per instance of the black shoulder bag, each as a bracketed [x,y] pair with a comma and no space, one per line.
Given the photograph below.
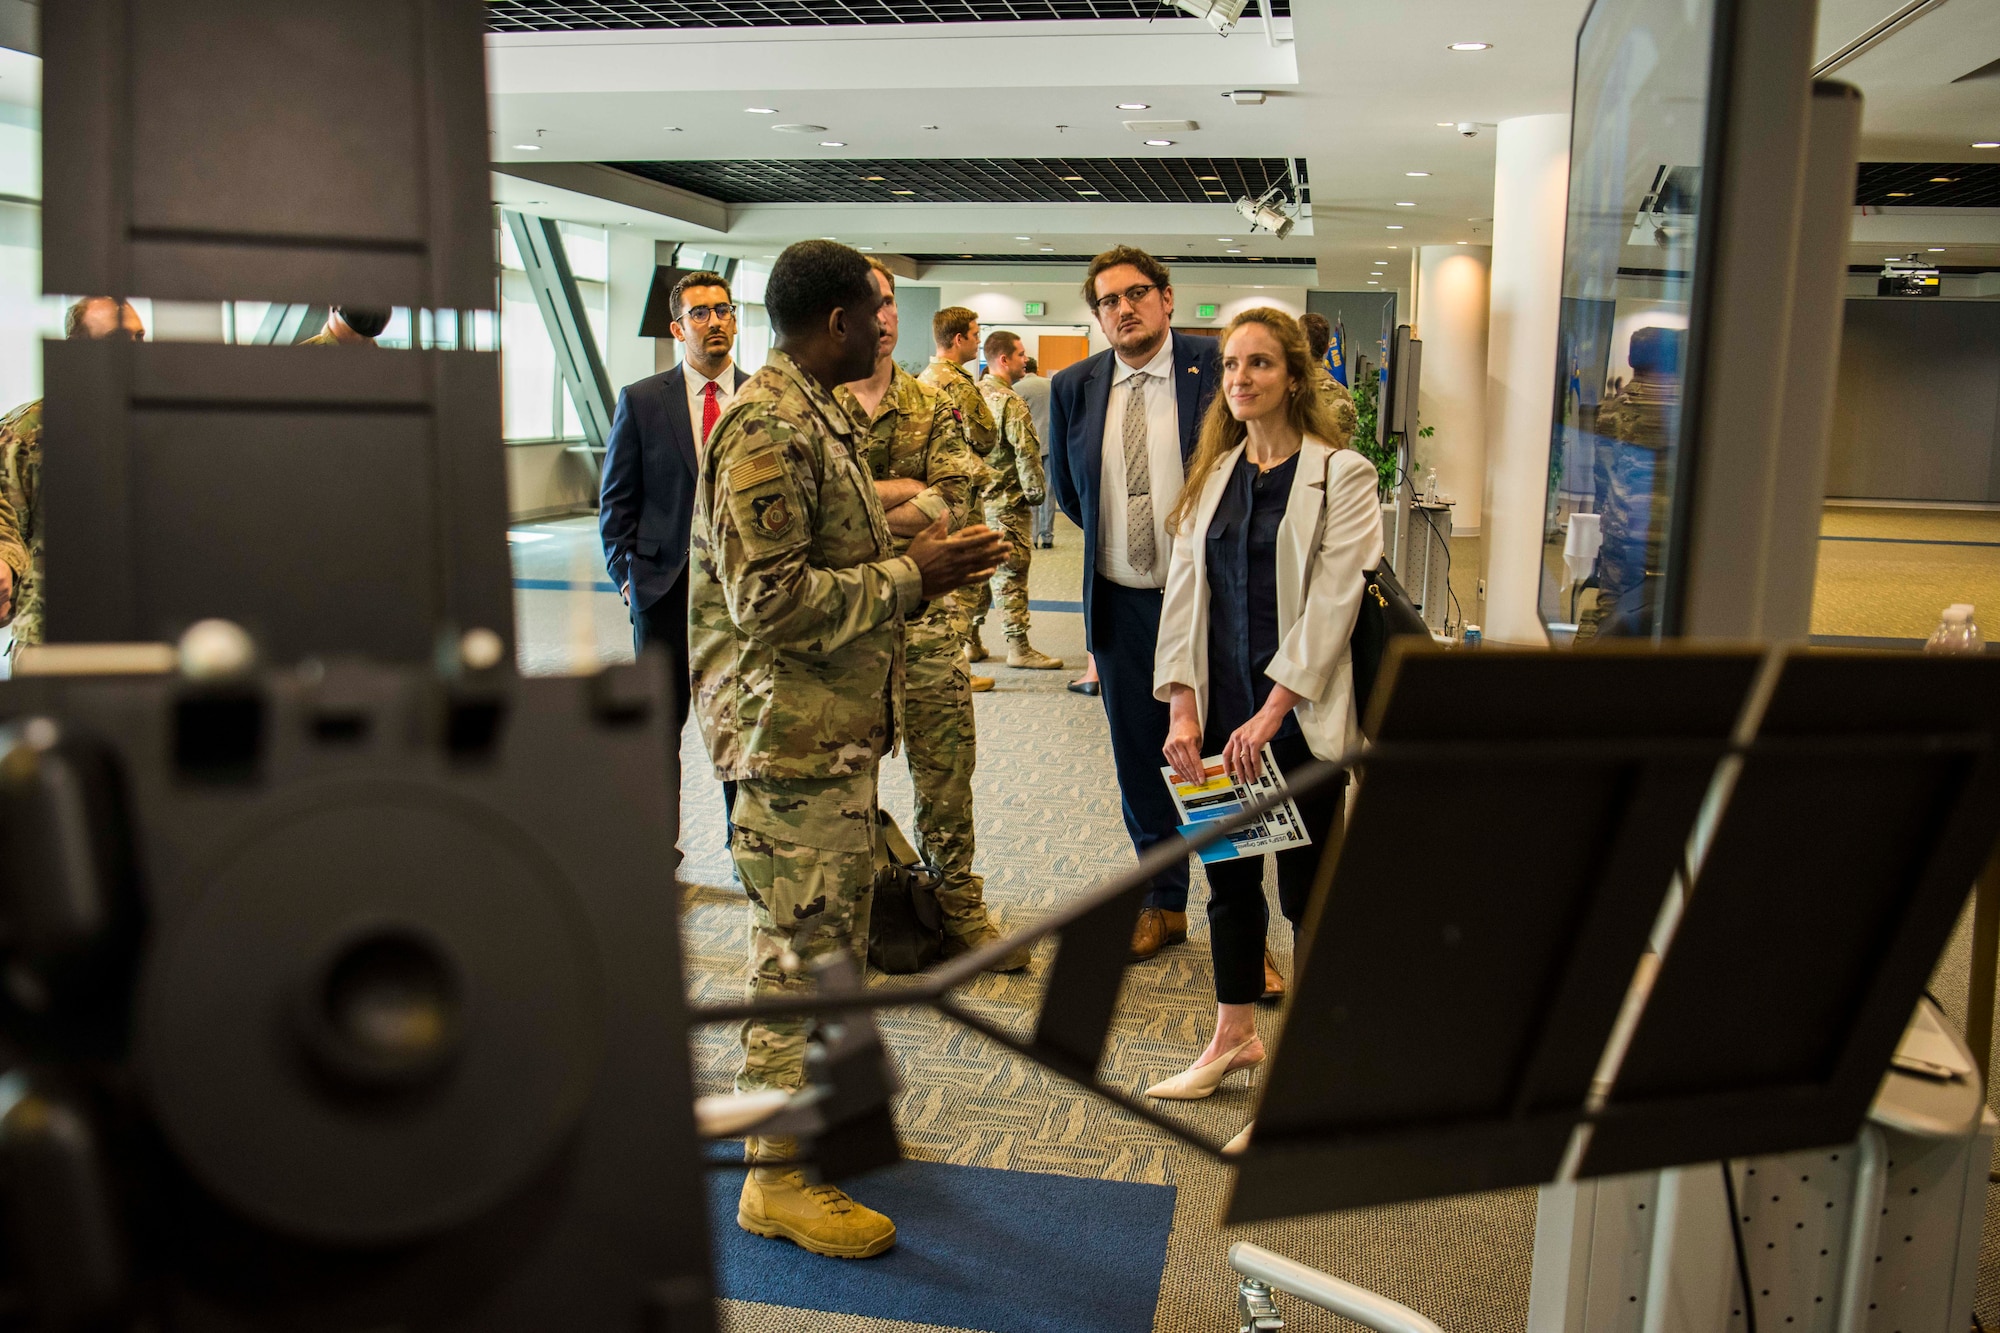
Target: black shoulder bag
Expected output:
[906,923]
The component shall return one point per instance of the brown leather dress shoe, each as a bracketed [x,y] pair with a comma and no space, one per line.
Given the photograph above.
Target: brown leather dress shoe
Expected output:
[1274,982]
[1157,928]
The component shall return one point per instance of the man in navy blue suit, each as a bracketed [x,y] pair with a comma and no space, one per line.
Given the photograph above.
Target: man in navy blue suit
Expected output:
[1122,425]
[646,504]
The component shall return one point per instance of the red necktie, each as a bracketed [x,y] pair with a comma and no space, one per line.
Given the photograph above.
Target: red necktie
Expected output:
[710,410]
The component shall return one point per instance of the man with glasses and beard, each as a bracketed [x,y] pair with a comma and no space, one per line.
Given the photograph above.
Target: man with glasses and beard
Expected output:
[1122,425]
[98,319]
[646,498]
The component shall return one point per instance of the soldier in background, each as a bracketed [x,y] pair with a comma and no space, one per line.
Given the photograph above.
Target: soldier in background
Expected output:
[1319,337]
[796,615]
[350,326]
[924,471]
[1034,390]
[1017,484]
[97,318]
[955,332]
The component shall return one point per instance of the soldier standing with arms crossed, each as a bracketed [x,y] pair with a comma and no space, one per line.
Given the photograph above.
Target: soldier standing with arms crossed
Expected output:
[1018,484]
[924,471]
[955,333]
[796,612]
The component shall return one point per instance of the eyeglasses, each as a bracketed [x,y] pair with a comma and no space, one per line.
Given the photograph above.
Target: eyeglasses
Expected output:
[701,314]
[1104,305]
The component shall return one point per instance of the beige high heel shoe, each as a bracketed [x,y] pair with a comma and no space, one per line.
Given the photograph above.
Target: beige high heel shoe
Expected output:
[1198,1081]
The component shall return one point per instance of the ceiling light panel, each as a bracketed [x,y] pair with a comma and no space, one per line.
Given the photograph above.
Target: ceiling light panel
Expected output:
[1916,184]
[1125,180]
[595,15]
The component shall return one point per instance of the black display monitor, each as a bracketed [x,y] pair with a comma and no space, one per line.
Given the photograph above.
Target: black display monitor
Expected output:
[334,501]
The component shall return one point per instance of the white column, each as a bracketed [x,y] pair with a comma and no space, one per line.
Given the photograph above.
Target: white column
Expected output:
[1451,388]
[627,356]
[1530,193]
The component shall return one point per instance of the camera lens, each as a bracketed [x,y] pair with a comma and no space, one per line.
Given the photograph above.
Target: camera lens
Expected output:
[387,1010]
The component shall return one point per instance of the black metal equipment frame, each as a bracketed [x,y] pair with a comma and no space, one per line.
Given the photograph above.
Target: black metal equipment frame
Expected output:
[1821,815]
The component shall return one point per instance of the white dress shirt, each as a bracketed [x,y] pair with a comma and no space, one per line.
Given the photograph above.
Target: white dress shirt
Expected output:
[725,394]
[1163,445]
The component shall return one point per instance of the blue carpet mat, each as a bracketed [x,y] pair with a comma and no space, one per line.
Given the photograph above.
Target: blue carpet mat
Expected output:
[1000,1251]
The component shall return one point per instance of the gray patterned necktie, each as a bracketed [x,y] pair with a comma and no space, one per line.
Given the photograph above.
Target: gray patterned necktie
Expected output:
[1139,548]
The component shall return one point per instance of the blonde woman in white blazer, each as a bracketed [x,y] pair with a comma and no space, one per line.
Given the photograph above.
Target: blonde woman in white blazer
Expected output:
[1272,533]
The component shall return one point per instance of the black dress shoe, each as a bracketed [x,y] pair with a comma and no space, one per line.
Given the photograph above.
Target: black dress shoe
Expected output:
[1088,687]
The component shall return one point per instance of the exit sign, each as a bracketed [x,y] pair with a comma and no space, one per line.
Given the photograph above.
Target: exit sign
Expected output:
[1035,309]
[1204,311]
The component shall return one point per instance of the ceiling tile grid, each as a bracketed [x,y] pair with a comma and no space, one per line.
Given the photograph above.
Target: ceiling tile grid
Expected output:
[1101,180]
[1928,184]
[596,15]
[1262,261]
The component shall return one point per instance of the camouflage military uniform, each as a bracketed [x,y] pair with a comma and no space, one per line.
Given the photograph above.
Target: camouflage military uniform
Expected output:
[320,339]
[914,434]
[950,379]
[21,518]
[796,607]
[1018,484]
[1338,401]
[1638,423]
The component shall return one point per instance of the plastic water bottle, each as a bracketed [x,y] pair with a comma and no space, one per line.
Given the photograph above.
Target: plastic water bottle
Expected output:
[1956,632]
[1431,487]
[1472,636]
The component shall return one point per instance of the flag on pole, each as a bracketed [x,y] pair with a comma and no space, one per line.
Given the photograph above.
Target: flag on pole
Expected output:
[1336,355]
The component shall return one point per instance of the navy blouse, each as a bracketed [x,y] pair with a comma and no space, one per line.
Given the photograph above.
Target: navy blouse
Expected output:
[1243,597]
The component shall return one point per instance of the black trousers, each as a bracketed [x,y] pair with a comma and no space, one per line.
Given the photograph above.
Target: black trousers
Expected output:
[1124,631]
[665,623]
[1238,918]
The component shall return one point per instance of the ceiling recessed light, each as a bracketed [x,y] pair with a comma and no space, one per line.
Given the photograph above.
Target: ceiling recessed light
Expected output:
[1406,203]
[1216,194]
[1090,192]
[1235,252]
[1461,242]
[1072,178]
[770,256]
[968,257]
[1258,286]
[1943,180]
[1937,249]
[1899,194]
[529,147]
[1416,173]
[831,143]
[1395,226]
[874,178]
[1373,283]
[761,110]
[1256,259]
[1024,238]
[1135,106]
[1472,46]
[864,247]
[1988,143]
[1890,259]
[829,238]
[902,192]
[1048,249]
[1227,240]
[1446,124]
[1159,143]
[1217,178]
[1381,261]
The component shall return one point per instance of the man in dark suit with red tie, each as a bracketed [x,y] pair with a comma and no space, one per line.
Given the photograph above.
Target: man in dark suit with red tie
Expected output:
[646,505]
[1122,425]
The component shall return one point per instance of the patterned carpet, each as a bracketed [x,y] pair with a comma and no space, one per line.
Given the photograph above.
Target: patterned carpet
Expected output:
[1049,825]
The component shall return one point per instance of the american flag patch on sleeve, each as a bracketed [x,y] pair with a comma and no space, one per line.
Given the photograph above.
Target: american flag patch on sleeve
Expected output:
[755,471]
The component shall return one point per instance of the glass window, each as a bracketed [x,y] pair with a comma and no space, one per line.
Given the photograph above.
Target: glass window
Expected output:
[1617,454]
[535,404]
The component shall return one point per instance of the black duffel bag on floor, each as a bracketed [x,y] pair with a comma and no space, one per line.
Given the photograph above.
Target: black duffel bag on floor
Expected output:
[906,924]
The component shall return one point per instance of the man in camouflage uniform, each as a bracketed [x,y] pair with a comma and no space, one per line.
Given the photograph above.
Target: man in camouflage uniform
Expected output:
[796,609]
[349,326]
[955,331]
[1332,393]
[1638,423]
[1017,485]
[924,471]
[96,318]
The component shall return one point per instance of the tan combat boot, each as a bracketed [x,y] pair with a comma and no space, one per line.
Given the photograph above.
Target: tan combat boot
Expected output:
[981,684]
[781,1202]
[975,930]
[1022,654]
[975,649]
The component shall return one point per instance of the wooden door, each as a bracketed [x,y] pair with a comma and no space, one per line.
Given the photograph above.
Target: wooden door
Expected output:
[1056,350]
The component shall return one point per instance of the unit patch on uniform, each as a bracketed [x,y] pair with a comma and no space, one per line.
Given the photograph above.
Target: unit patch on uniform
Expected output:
[773,513]
[755,470]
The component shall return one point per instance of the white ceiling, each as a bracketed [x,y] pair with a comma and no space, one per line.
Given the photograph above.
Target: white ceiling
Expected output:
[1357,92]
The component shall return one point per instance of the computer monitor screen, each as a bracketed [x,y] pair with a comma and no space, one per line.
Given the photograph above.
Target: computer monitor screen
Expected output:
[1632,280]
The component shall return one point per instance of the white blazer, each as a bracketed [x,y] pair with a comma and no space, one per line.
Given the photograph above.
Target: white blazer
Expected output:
[1315,620]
